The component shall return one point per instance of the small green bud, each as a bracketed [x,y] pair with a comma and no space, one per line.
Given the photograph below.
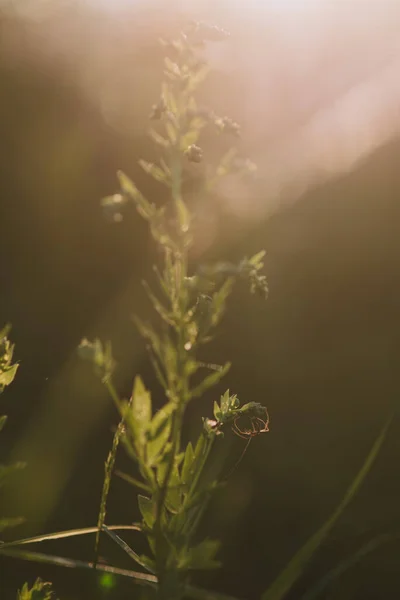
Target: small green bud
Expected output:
[227,125]
[194,153]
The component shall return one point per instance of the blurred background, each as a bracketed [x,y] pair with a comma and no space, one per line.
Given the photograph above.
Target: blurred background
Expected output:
[316,88]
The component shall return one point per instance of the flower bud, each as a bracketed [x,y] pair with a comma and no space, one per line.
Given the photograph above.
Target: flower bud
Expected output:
[194,153]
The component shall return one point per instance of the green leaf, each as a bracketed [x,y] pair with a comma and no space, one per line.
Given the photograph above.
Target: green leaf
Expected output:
[187,464]
[40,591]
[5,331]
[3,420]
[158,306]
[132,481]
[198,77]
[225,402]
[290,574]
[226,162]
[210,381]
[159,139]
[7,376]
[147,509]
[141,406]
[189,138]
[169,99]
[201,556]
[174,495]
[156,172]
[183,215]
[171,132]
[159,432]
[219,301]
[172,67]
[144,208]
[217,411]
[256,260]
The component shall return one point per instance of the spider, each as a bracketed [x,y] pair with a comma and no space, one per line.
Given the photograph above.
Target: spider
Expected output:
[258,426]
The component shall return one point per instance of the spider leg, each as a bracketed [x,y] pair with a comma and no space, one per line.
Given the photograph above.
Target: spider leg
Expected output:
[264,424]
[243,433]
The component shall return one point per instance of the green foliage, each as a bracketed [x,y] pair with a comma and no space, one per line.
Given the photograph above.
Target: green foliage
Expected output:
[190,307]
[40,591]
[8,370]
[173,482]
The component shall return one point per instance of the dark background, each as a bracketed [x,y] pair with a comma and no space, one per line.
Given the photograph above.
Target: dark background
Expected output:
[322,353]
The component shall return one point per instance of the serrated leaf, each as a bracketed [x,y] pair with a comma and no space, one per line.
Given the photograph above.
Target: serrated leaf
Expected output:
[147,510]
[40,591]
[170,356]
[256,260]
[159,432]
[210,381]
[187,464]
[199,451]
[141,408]
[225,402]
[174,494]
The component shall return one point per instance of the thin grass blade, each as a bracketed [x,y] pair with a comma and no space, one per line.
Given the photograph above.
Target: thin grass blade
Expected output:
[191,591]
[346,564]
[108,470]
[125,547]
[291,573]
[64,534]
